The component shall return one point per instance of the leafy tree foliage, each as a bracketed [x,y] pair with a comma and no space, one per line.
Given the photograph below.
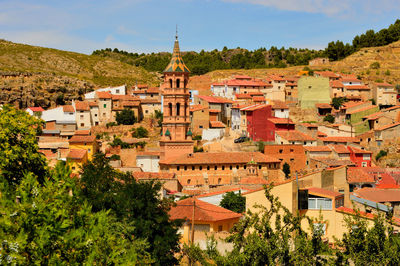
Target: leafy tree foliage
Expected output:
[19,147]
[382,153]
[125,117]
[286,169]
[329,118]
[135,203]
[51,225]
[337,102]
[140,132]
[118,142]
[234,202]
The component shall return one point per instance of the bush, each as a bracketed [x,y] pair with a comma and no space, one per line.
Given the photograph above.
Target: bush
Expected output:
[197,137]
[286,169]
[387,73]
[234,202]
[198,149]
[118,142]
[329,118]
[375,65]
[60,99]
[338,101]
[111,124]
[126,117]
[140,144]
[260,146]
[140,132]
[115,157]
[381,154]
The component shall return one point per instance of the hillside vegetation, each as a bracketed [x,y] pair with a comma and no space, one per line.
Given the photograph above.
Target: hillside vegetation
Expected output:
[32,75]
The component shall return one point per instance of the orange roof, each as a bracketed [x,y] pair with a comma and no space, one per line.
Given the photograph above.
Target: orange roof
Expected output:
[150,175]
[256,93]
[93,104]
[357,87]
[36,109]
[358,175]
[214,111]
[374,116]
[357,150]
[213,99]
[242,96]
[197,107]
[103,94]
[323,105]
[217,124]
[321,134]
[309,125]
[328,74]
[221,158]
[340,149]
[387,126]
[351,104]
[80,139]
[82,106]
[351,211]
[125,97]
[254,107]
[336,84]
[82,132]
[276,78]
[154,90]
[76,153]
[142,86]
[379,195]
[317,148]
[259,99]
[324,192]
[130,103]
[204,211]
[276,120]
[294,135]
[68,109]
[340,139]
[392,108]
[384,84]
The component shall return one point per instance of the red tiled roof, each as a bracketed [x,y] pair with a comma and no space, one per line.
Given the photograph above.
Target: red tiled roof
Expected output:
[214,111]
[384,84]
[336,84]
[139,91]
[145,101]
[150,175]
[294,135]
[387,126]
[82,132]
[374,116]
[82,106]
[321,134]
[254,107]
[36,109]
[130,103]
[197,107]
[148,153]
[323,105]
[204,211]
[103,94]
[333,162]
[154,90]
[242,96]
[221,158]
[391,108]
[68,109]
[276,78]
[357,150]
[340,149]
[357,87]
[317,148]
[309,125]
[353,212]
[93,104]
[217,124]
[340,139]
[256,93]
[124,97]
[80,139]
[213,99]
[324,192]
[76,153]
[379,195]
[277,120]
[351,104]
[386,180]
[259,99]
[358,175]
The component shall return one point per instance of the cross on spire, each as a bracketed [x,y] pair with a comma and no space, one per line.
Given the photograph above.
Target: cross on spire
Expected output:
[176,35]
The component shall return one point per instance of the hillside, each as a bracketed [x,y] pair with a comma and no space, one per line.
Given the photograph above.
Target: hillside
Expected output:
[36,75]
[358,63]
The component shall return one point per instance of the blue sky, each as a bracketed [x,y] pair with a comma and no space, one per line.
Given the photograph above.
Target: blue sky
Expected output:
[149,25]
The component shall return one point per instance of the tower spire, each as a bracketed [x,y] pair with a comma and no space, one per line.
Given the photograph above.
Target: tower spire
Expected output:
[176,34]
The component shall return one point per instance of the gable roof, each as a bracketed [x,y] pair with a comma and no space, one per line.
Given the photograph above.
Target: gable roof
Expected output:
[36,109]
[204,211]
[294,135]
[317,148]
[214,99]
[387,126]
[358,175]
[82,106]
[277,120]
[379,195]
[80,139]
[76,153]
[103,94]
[68,109]
[340,139]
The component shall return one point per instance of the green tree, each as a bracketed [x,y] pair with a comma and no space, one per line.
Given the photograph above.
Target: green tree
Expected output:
[140,132]
[260,146]
[125,117]
[286,169]
[19,147]
[382,153]
[337,102]
[329,118]
[375,65]
[135,203]
[51,225]
[60,99]
[234,202]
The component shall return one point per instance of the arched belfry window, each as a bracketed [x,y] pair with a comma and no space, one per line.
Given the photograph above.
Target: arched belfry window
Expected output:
[170,83]
[170,109]
[178,109]
[178,83]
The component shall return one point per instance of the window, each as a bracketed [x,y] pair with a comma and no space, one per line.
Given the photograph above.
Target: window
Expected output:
[237,166]
[188,181]
[193,167]
[95,115]
[200,126]
[244,167]
[200,167]
[82,124]
[116,91]
[259,167]
[230,167]
[73,167]
[215,167]
[291,150]
[105,105]
[219,180]
[292,159]
[208,167]
[178,168]
[223,167]
[319,204]
[364,164]
[280,151]
[81,116]
[147,111]
[89,150]
[185,167]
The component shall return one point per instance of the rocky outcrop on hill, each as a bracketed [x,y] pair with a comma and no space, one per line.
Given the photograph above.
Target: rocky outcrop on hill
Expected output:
[40,89]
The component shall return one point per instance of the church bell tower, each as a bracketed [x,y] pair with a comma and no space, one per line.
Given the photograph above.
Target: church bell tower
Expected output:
[176,137]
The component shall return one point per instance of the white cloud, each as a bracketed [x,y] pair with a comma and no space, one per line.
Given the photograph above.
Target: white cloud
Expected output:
[328,7]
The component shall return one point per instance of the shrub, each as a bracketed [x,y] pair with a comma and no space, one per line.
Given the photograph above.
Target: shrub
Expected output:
[286,169]
[381,154]
[375,65]
[111,124]
[118,142]
[329,118]
[115,157]
[140,132]
[126,117]
[387,73]
[197,137]
[198,149]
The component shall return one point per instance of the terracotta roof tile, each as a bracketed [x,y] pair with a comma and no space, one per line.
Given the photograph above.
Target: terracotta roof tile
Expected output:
[333,162]
[213,99]
[103,94]
[340,149]
[77,153]
[362,109]
[150,175]
[93,104]
[259,99]
[294,135]
[68,109]
[145,101]
[358,175]
[80,139]
[242,96]
[336,84]
[154,90]
[387,126]
[276,120]
[217,124]
[221,158]
[324,192]
[197,107]
[357,87]
[317,148]
[279,105]
[204,211]
[357,150]
[82,106]
[340,139]
[321,134]
[254,107]
[82,132]
[323,105]
[379,195]
[384,85]
[256,93]
[36,109]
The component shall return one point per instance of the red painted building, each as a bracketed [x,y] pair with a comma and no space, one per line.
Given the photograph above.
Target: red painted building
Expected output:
[360,157]
[261,125]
